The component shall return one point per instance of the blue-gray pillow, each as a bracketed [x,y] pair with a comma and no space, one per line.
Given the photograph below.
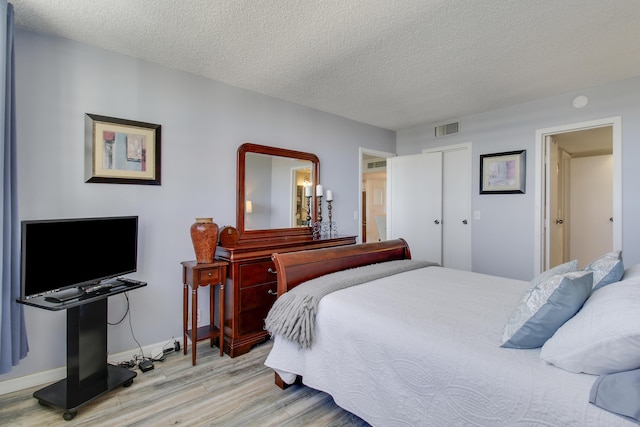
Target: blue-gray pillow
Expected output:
[547,307]
[618,393]
[606,269]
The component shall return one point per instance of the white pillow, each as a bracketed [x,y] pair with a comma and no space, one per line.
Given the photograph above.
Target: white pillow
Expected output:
[604,336]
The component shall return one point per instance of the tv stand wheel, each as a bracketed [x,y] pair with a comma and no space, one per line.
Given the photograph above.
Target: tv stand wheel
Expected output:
[69,415]
[127,383]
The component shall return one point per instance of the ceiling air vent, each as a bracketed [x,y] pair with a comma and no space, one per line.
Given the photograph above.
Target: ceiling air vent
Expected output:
[448,129]
[378,164]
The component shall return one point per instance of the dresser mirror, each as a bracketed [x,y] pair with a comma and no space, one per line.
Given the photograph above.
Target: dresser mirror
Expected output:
[272,184]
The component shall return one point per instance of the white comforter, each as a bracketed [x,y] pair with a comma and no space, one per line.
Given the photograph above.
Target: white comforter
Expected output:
[422,348]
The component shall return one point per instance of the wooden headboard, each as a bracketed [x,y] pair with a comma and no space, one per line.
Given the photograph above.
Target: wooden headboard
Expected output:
[294,268]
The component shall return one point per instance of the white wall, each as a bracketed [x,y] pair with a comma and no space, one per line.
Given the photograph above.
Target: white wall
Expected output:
[203,123]
[503,238]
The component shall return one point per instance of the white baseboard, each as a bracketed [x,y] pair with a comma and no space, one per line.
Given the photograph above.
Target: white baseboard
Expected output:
[52,375]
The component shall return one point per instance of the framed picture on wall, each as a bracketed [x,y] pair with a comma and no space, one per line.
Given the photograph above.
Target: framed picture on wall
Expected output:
[503,173]
[119,151]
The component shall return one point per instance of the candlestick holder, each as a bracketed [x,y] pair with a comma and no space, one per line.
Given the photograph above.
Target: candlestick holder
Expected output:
[329,208]
[308,211]
[317,225]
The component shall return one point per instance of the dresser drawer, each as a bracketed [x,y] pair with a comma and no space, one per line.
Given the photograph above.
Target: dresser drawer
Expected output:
[255,303]
[257,296]
[206,277]
[257,273]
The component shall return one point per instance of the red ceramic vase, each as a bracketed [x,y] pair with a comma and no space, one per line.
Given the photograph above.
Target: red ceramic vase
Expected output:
[204,235]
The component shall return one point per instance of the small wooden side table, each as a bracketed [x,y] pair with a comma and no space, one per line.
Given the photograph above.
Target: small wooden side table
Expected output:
[195,275]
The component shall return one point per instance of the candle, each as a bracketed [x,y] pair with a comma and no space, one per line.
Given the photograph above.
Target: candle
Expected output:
[319,190]
[307,191]
[329,196]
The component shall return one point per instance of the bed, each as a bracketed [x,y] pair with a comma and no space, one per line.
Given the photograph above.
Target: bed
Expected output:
[423,347]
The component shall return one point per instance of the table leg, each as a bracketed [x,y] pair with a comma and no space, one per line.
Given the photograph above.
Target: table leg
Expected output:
[194,323]
[185,316]
[221,313]
[212,297]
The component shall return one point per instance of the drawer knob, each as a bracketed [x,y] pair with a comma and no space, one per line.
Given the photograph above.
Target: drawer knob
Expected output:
[270,292]
[210,274]
[272,271]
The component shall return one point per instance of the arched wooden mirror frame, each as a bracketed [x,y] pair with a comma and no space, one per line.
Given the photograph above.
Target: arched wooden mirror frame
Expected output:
[301,232]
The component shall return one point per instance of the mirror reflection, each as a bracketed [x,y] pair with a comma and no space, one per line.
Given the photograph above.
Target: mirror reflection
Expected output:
[274,191]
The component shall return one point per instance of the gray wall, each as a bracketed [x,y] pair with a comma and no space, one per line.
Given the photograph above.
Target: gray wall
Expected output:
[503,239]
[203,123]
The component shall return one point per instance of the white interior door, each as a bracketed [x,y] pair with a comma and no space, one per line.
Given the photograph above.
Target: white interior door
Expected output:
[414,203]
[556,206]
[590,208]
[456,207]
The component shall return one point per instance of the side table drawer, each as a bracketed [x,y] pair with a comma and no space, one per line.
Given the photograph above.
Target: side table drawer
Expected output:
[257,273]
[207,277]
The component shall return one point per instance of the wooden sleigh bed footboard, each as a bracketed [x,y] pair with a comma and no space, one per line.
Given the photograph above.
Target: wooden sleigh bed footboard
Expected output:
[294,268]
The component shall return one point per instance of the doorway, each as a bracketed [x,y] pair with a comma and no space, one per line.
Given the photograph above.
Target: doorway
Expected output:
[578,164]
[580,195]
[373,191]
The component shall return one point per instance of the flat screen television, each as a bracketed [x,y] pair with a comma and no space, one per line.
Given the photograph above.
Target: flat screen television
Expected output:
[64,253]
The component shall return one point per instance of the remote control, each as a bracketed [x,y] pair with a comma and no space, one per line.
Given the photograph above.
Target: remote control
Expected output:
[96,288]
[127,280]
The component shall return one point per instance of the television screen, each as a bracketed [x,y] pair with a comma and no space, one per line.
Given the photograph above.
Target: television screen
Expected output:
[59,254]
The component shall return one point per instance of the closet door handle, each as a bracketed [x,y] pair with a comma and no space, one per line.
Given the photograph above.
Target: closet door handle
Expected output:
[436,222]
[464,221]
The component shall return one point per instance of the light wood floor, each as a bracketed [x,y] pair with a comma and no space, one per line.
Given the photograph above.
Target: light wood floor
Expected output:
[216,392]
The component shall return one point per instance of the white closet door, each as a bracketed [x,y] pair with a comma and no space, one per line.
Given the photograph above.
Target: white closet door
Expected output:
[414,203]
[456,208]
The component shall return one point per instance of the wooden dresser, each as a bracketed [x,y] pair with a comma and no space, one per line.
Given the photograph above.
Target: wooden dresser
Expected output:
[251,285]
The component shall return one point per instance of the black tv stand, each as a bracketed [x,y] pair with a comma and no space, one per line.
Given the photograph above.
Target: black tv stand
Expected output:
[88,373]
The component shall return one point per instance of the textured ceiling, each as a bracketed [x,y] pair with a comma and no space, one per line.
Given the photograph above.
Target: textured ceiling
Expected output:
[393,64]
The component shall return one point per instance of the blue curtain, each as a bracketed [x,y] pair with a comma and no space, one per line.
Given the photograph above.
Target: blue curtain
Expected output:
[13,336]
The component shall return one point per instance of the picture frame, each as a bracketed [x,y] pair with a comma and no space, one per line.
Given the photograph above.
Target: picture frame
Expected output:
[503,173]
[120,151]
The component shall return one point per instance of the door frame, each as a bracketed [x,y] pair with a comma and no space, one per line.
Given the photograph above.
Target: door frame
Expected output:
[541,190]
[361,152]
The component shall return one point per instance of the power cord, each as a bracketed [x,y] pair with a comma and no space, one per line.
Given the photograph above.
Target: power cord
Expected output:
[125,313]
[143,362]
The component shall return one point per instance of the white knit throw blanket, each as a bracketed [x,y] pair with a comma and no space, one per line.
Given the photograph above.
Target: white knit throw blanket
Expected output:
[293,315]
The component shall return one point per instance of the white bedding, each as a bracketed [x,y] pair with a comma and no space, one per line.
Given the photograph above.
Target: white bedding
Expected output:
[423,348]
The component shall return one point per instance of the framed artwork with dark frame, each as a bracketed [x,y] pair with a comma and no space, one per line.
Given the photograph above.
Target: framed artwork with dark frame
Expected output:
[119,151]
[503,173]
